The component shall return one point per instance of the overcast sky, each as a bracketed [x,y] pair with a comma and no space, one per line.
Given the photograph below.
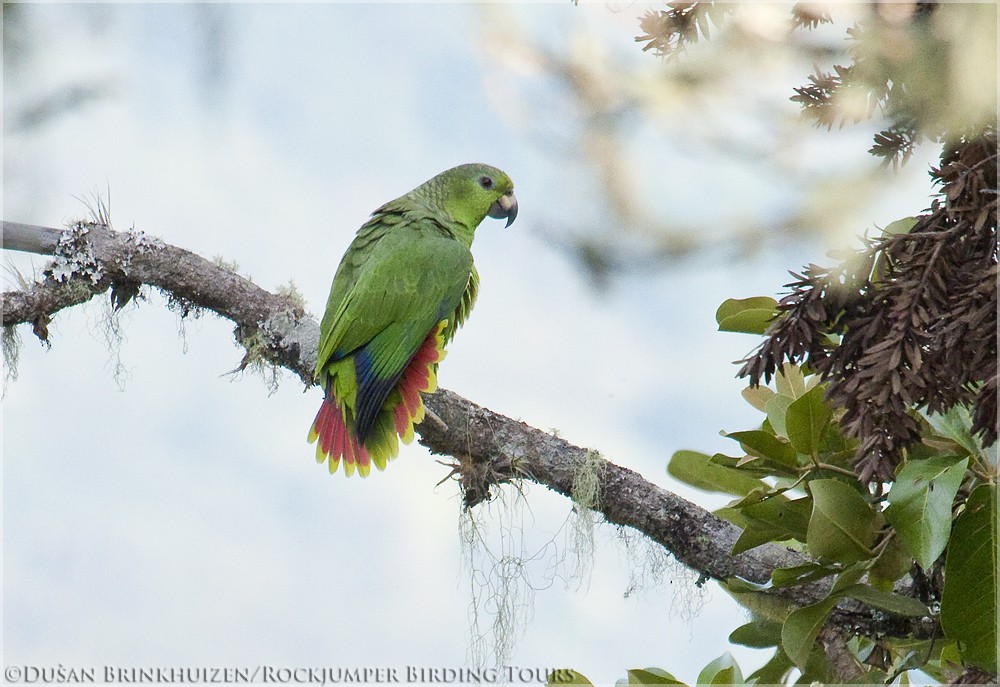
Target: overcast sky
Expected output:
[171,515]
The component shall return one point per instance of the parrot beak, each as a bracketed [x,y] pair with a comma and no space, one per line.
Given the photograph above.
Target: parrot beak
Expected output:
[504,206]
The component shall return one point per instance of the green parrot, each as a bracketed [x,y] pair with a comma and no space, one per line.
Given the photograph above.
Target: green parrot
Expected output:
[402,289]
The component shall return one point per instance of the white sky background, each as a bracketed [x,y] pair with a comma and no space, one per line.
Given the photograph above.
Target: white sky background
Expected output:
[183,520]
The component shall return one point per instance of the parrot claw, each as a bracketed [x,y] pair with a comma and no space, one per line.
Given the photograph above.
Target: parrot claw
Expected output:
[456,469]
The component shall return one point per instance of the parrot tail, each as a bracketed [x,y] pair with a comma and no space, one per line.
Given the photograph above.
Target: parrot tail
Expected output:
[332,430]
[335,441]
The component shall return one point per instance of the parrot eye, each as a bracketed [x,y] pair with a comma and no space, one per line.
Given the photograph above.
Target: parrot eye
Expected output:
[486,182]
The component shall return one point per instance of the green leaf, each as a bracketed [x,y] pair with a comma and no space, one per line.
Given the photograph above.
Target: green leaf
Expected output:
[699,471]
[566,676]
[894,562]
[757,396]
[800,629]
[900,226]
[948,662]
[651,676]
[765,445]
[886,601]
[807,420]
[843,525]
[756,496]
[770,519]
[746,315]
[920,504]
[790,517]
[969,598]
[738,586]
[790,381]
[842,459]
[800,574]
[757,599]
[836,447]
[762,467]
[847,577]
[956,424]
[722,671]
[776,408]
[732,515]
[754,534]
[773,672]
[818,669]
[748,466]
[758,634]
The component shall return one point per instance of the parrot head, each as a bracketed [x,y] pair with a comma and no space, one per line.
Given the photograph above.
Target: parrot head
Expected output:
[470,193]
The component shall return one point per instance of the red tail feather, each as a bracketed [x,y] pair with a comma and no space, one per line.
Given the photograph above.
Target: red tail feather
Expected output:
[336,442]
[417,376]
[402,419]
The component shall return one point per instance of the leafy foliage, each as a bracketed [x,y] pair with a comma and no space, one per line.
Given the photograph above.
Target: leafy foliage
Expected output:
[968,611]
[908,322]
[809,15]
[898,345]
[899,58]
[876,453]
[917,542]
[792,480]
[903,68]
[667,32]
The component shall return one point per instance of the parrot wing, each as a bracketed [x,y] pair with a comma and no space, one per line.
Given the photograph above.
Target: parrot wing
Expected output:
[351,267]
[408,281]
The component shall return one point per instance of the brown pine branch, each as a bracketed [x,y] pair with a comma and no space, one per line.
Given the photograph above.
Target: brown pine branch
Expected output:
[490,449]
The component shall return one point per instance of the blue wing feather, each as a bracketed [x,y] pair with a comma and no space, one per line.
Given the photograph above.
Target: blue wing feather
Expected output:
[372,391]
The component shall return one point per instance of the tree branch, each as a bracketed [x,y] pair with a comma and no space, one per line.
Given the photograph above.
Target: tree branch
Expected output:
[491,449]
[91,259]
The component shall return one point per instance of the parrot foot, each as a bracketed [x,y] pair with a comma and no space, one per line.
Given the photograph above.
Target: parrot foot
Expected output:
[475,478]
[455,473]
[432,417]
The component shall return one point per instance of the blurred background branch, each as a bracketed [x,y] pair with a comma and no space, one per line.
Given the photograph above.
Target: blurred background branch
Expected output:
[625,127]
